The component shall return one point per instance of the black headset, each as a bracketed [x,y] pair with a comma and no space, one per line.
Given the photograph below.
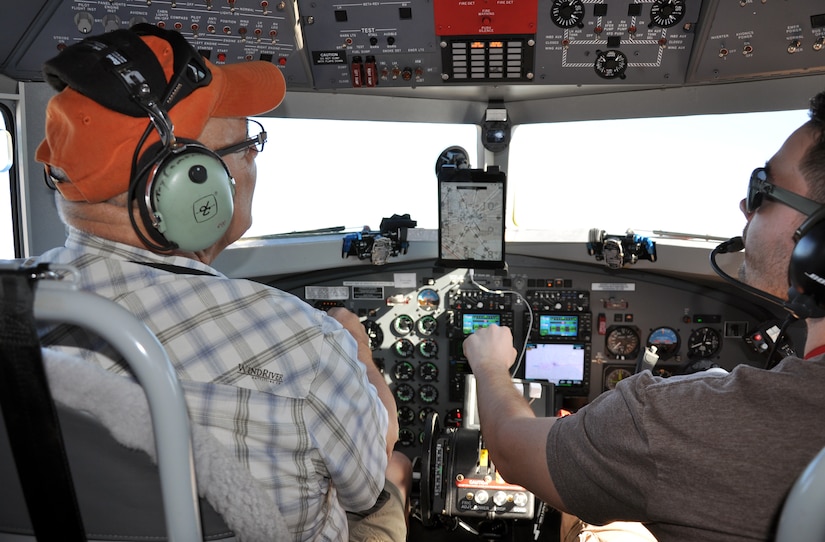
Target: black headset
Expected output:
[806,271]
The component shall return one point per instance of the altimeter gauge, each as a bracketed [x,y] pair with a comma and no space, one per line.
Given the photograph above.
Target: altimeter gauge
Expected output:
[703,342]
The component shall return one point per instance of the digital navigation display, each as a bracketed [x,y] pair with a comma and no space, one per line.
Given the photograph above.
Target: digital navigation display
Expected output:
[472,322]
[558,325]
[471,211]
[561,364]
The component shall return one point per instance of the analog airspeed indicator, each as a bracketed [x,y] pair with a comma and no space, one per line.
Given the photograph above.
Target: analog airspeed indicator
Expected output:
[622,342]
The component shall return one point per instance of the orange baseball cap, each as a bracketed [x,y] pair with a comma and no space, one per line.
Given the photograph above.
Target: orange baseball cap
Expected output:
[94,123]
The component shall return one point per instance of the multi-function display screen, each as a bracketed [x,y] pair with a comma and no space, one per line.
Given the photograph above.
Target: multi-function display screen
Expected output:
[561,364]
[558,325]
[472,322]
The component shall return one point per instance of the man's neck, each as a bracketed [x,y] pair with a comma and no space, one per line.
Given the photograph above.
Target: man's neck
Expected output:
[816,334]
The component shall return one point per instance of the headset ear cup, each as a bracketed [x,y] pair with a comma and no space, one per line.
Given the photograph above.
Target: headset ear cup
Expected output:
[806,271]
[149,163]
[192,197]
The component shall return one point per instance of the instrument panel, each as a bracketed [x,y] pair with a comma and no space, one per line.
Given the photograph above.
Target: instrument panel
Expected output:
[581,328]
[330,45]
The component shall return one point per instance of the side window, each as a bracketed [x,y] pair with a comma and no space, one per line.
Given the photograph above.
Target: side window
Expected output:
[8,231]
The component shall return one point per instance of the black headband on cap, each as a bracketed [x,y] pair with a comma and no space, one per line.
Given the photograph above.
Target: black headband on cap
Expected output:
[108,67]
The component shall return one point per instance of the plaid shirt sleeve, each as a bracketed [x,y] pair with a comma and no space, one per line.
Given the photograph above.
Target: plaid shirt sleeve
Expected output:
[351,423]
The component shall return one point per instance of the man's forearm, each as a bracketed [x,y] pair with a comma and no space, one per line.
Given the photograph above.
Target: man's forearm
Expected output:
[500,407]
[384,394]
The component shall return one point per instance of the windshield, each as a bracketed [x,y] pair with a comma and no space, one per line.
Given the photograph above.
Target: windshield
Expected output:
[676,174]
[316,174]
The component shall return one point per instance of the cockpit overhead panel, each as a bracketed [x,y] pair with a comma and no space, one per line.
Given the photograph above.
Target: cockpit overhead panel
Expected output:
[381,46]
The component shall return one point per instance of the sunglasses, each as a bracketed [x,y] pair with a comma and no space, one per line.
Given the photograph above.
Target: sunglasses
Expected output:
[759,188]
[257,142]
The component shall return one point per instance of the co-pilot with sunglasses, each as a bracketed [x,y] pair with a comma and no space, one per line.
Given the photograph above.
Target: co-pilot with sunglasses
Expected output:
[707,456]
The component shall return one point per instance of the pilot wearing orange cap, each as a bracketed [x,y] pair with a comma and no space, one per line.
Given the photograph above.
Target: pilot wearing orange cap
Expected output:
[151,150]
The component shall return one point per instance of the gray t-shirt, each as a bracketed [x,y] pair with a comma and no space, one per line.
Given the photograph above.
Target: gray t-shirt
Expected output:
[703,457]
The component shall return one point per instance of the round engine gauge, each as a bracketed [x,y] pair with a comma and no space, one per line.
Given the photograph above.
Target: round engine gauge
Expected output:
[402,324]
[426,325]
[567,13]
[404,370]
[428,371]
[427,348]
[404,393]
[403,348]
[428,393]
[622,342]
[667,13]
[406,437]
[703,342]
[406,415]
[610,64]
[613,376]
[666,341]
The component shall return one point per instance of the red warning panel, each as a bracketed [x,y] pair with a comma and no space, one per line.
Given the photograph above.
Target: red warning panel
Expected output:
[485,17]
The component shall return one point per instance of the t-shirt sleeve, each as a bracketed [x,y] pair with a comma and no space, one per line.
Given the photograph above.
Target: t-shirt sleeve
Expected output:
[349,422]
[599,458]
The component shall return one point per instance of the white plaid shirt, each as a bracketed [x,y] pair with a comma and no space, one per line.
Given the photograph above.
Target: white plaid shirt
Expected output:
[273,379]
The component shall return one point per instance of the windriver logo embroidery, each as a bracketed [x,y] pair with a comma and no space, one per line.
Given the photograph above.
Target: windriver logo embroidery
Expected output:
[261,374]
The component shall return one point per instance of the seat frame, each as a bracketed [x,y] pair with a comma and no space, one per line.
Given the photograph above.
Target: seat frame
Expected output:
[60,301]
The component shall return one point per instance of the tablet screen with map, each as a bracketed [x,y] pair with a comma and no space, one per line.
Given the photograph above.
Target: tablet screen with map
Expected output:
[471,217]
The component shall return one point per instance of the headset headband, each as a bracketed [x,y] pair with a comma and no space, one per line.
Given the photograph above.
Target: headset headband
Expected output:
[129,69]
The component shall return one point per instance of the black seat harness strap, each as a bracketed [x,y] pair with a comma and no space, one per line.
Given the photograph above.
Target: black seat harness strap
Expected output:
[31,418]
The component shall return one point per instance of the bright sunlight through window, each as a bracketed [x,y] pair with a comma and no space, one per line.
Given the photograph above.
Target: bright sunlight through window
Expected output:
[316,174]
[677,174]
